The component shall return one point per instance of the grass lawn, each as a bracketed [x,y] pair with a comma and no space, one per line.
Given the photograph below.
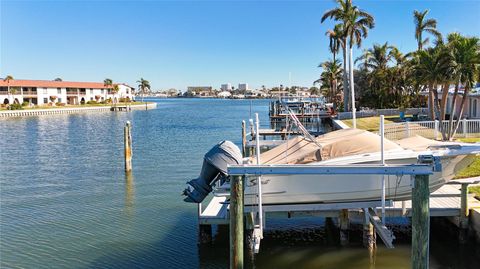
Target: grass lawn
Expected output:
[473,170]
[371,124]
[469,140]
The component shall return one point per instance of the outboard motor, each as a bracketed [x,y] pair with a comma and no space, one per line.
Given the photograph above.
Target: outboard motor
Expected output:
[214,165]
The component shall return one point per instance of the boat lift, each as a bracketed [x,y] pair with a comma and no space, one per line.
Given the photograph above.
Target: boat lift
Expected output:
[223,211]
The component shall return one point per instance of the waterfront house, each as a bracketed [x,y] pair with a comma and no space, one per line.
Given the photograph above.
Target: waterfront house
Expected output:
[472,105]
[44,92]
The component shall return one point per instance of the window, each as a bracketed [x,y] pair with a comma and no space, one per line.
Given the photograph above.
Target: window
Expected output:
[59,90]
[103,91]
[91,91]
[45,100]
[91,98]
[45,91]
[59,100]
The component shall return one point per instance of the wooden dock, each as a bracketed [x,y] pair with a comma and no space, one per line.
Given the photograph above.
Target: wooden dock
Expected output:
[445,202]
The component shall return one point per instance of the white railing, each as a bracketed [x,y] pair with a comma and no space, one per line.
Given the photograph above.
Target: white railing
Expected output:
[430,129]
[378,112]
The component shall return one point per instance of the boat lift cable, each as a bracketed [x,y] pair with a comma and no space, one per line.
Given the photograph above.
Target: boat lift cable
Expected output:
[300,126]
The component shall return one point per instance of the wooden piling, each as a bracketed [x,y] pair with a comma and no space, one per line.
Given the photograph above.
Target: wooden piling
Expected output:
[464,212]
[369,236]
[344,223]
[420,222]
[236,222]
[128,147]
[244,139]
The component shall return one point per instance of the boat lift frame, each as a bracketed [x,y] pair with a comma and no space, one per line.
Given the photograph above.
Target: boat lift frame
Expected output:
[420,196]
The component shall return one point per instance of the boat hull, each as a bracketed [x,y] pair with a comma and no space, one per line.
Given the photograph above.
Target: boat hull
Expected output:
[294,189]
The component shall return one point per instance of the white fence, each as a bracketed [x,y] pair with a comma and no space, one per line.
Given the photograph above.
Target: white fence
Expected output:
[378,112]
[430,129]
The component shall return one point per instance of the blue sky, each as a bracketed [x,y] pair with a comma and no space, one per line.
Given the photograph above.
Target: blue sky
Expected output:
[181,43]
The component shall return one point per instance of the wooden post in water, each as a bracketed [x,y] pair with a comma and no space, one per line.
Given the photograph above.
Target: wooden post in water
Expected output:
[128,146]
[236,222]
[464,212]
[344,223]
[244,139]
[369,236]
[420,222]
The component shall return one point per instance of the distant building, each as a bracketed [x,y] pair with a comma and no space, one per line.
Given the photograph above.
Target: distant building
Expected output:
[224,94]
[42,92]
[243,86]
[226,87]
[200,91]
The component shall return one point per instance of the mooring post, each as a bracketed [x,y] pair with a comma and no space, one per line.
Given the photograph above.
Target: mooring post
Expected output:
[343,220]
[464,212]
[128,146]
[369,236]
[244,138]
[420,222]
[236,222]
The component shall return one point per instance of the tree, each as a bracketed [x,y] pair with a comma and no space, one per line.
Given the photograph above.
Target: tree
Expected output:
[143,86]
[331,74]
[355,24]
[108,83]
[467,50]
[422,24]
[115,90]
[432,68]
[57,79]
[7,79]
[339,29]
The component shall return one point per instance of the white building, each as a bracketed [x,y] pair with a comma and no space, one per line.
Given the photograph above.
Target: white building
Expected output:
[226,87]
[243,86]
[43,92]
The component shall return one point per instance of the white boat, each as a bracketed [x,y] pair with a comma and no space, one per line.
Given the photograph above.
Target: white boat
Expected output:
[349,147]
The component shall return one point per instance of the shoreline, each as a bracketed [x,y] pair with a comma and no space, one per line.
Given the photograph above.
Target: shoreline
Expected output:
[66,110]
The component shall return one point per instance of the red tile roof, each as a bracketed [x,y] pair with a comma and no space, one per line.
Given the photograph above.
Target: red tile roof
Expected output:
[52,84]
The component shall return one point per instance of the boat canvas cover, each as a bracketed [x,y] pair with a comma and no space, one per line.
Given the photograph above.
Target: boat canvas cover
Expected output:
[420,143]
[334,144]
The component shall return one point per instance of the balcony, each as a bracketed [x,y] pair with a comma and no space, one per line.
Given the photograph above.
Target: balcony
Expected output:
[72,92]
[29,93]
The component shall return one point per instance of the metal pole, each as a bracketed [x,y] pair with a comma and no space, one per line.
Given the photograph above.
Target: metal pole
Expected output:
[259,183]
[236,222]
[382,154]
[244,138]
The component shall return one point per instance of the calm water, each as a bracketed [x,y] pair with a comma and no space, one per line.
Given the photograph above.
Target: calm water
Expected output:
[65,202]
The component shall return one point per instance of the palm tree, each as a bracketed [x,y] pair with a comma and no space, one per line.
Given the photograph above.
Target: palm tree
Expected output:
[337,13]
[468,69]
[432,68]
[424,25]
[332,73]
[378,56]
[356,27]
[143,86]
[8,79]
[335,39]
[115,90]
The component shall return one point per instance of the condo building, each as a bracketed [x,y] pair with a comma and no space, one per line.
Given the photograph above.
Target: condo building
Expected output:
[43,92]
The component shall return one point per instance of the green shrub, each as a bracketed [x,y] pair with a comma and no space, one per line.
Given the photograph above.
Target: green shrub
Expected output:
[15,107]
[92,102]
[60,104]
[25,103]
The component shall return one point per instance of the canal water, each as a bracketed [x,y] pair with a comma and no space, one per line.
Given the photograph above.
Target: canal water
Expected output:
[66,203]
